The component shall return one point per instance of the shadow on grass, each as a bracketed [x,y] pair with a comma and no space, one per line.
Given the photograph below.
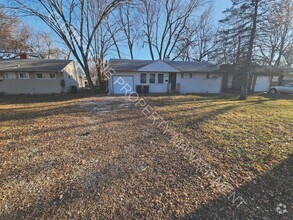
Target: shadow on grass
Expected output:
[26,99]
[277,96]
[213,110]
[265,192]
[25,115]
[266,197]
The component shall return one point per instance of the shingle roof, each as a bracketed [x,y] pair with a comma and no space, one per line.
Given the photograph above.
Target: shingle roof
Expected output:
[182,66]
[33,65]
[128,65]
[257,69]
[194,66]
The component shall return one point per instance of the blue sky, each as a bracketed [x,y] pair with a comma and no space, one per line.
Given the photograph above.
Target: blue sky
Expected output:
[139,52]
[218,7]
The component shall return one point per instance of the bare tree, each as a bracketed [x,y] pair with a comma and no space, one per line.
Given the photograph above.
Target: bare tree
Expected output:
[43,46]
[101,46]
[200,39]
[129,21]
[206,36]
[288,56]
[165,22]
[14,35]
[114,29]
[276,33]
[71,21]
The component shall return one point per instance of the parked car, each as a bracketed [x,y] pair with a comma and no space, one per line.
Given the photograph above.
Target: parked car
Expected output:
[282,89]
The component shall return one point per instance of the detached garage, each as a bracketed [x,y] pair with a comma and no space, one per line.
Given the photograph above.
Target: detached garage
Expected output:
[262,83]
[261,78]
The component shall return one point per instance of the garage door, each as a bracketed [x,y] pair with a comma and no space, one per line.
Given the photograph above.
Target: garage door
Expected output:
[262,84]
[123,84]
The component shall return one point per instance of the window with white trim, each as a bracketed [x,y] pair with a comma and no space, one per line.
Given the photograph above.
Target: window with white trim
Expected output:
[52,75]
[160,78]
[186,75]
[39,76]
[10,75]
[143,78]
[46,75]
[23,75]
[212,76]
[152,78]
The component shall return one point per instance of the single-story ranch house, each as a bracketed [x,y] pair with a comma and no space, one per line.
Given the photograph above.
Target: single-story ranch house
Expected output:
[261,78]
[164,76]
[38,76]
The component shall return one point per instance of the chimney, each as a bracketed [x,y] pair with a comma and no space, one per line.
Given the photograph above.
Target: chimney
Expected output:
[24,56]
[167,58]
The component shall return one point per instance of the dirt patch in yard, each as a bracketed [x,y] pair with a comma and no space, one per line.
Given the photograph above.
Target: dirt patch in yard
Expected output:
[100,157]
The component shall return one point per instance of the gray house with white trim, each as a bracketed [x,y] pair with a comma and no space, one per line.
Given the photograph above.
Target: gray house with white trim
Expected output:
[37,76]
[165,76]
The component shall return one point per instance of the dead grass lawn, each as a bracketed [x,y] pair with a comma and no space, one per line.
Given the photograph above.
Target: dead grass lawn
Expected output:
[100,158]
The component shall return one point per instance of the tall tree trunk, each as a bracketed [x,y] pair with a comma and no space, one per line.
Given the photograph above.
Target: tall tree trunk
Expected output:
[88,77]
[247,63]
[99,67]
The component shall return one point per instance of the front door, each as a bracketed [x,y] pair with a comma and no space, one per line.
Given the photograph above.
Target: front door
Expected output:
[172,80]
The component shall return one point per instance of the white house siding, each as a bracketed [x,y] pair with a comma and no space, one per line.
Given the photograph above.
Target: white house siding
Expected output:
[153,87]
[71,77]
[199,83]
[158,66]
[31,85]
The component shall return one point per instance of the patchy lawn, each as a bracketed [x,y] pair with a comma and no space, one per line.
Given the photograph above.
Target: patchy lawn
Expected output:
[256,134]
[100,157]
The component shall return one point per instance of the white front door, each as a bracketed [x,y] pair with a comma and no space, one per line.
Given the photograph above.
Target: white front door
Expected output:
[262,83]
[123,84]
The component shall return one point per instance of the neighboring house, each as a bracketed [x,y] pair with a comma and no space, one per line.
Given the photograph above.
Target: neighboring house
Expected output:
[261,77]
[164,76]
[37,76]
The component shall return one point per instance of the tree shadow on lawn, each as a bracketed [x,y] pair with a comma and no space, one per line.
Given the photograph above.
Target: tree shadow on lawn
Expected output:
[266,197]
[26,99]
[277,96]
[202,98]
[66,128]
[7,115]
[213,113]
[66,109]
[210,101]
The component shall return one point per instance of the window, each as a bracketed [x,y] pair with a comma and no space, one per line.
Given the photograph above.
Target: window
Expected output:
[52,76]
[143,78]
[186,75]
[23,75]
[152,78]
[160,78]
[39,76]
[46,75]
[212,76]
[10,76]
[275,79]
[288,78]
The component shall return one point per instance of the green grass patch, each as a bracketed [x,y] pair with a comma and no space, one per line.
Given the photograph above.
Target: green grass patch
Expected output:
[256,133]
